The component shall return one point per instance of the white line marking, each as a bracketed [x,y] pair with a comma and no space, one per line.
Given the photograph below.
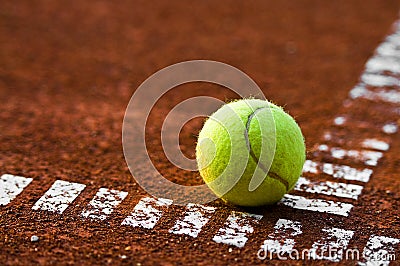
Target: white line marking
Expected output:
[340,120]
[236,227]
[388,49]
[375,144]
[196,216]
[318,205]
[11,186]
[390,128]
[147,212]
[329,188]
[394,37]
[59,196]
[370,158]
[376,80]
[311,167]
[379,64]
[337,171]
[331,247]
[103,203]
[380,250]
[385,95]
[282,239]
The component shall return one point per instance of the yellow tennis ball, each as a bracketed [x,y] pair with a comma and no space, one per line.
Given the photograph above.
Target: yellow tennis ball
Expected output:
[250,152]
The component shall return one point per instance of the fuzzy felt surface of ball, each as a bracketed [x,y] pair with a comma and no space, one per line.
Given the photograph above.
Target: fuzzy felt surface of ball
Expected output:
[250,152]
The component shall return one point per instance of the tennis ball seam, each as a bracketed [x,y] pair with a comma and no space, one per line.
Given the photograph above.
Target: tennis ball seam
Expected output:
[253,155]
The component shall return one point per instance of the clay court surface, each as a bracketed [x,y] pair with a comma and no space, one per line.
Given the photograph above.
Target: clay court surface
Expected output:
[68,70]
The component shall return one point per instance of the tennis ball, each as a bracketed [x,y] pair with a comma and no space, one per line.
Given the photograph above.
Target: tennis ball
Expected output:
[250,152]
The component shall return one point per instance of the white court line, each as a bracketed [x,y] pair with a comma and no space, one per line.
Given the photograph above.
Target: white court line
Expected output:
[281,240]
[337,171]
[11,186]
[370,158]
[318,205]
[147,212]
[103,203]
[379,64]
[384,95]
[59,196]
[380,250]
[339,120]
[236,228]
[329,188]
[376,80]
[390,128]
[196,216]
[375,144]
[331,246]
[369,143]
[388,49]
[386,127]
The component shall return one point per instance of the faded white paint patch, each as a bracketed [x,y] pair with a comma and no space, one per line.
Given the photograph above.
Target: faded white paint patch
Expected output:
[323,147]
[388,49]
[340,120]
[332,245]
[376,80]
[342,190]
[337,171]
[282,240]
[311,167]
[380,250]
[379,64]
[11,186]
[375,144]
[236,228]
[196,216]
[385,95]
[390,128]
[370,158]
[347,172]
[394,38]
[317,205]
[147,212]
[59,196]
[103,203]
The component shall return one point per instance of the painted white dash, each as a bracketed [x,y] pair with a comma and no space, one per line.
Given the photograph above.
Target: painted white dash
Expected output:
[340,120]
[236,228]
[147,212]
[376,80]
[103,203]
[379,64]
[380,250]
[331,245]
[388,49]
[196,216]
[311,167]
[337,171]
[11,186]
[59,196]
[385,95]
[342,190]
[370,158]
[375,144]
[318,205]
[282,239]
[390,128]
[394,38]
